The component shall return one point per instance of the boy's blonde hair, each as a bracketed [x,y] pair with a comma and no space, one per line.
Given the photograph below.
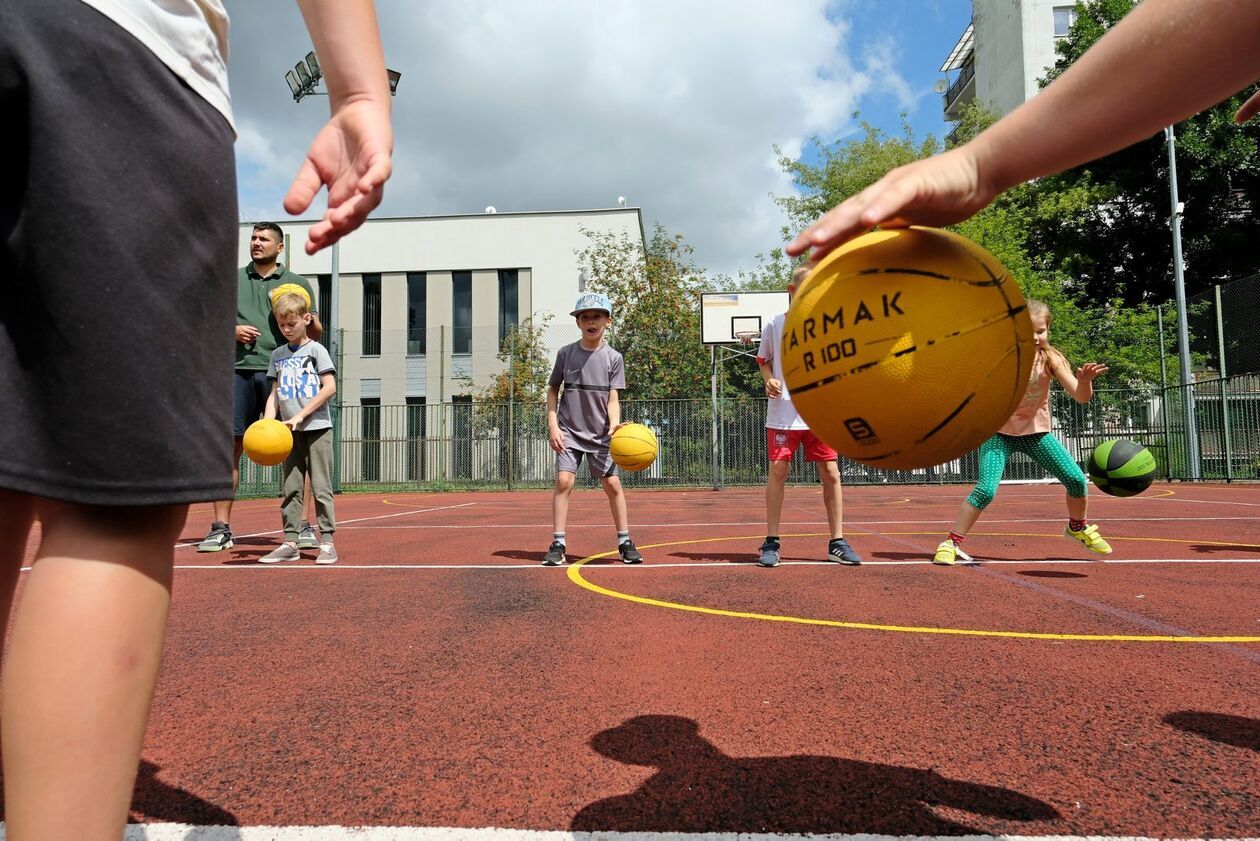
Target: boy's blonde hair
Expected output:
[800,273]
[1053,356]
[290,303]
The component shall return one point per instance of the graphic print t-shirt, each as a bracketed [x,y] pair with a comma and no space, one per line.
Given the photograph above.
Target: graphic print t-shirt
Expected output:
[296,373]
[587,377]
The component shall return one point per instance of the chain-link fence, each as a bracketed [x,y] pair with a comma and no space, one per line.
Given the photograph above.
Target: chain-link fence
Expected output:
[1224,325]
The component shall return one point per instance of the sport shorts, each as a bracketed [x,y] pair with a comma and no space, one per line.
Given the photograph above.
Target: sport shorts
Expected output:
[782,443]
[118,243]
[250,392]
[600,464]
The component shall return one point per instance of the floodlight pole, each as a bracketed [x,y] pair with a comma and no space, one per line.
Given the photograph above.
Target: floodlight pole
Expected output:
[1183,328]
[713,440]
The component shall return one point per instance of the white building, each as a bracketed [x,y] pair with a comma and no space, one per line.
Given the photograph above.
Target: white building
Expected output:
[1006,48]
[423,305]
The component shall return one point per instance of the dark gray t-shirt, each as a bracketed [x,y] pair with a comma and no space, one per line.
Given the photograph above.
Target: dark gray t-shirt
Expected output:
[296,373]
[587,376]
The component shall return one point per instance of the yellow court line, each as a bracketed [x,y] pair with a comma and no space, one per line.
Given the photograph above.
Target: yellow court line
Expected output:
[575,575]
[1109,538]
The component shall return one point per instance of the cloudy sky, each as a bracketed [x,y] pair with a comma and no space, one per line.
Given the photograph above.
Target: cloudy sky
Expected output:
[559,104]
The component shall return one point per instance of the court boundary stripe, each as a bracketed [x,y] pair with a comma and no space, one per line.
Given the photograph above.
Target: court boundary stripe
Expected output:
[346,522]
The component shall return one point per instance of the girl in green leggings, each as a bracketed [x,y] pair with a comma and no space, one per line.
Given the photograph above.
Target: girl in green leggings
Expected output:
[1028,432]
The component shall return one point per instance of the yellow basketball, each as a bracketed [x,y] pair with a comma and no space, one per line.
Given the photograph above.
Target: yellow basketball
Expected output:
[907,348]
[633,447]
[267,442]
[285,288]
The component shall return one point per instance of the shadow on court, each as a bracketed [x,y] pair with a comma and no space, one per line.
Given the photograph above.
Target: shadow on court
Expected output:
[697,788]
[1235,730]
[1050,573]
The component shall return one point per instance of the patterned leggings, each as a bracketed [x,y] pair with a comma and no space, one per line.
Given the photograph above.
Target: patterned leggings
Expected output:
[1041,447]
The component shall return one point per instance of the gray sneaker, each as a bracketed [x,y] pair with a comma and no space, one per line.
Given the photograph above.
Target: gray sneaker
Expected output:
[327,553]
[219,538]
[769,554]
[307,539]
[840,552]
[283,552]
[555,555]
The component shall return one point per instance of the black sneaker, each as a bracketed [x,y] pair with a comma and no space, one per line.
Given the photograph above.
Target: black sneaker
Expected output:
[629,554]
[842,553]
[219,538]
[769,554]
[555,555]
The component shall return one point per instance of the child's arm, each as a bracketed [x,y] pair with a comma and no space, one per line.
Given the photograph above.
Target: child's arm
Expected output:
[327,388]
[554,433]
[614,411]
[1080,385]
[270,411]
[773,387]
[351,153]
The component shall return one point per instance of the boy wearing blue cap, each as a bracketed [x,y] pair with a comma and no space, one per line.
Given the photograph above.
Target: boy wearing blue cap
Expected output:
[582,419]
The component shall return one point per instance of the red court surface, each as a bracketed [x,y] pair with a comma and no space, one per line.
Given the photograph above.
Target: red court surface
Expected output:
[438,676]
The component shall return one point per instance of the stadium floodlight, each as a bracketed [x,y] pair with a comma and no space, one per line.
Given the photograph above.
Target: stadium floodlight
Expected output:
[394,76]
[294,85]
[313,63]
[304,75]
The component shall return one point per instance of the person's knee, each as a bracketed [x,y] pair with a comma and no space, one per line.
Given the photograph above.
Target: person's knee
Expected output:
[980,497]
[564,482]
[1077,486]
[612,485]
[779,470]
[829,473]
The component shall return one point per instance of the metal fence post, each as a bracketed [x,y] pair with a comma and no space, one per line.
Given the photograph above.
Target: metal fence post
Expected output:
[510,441]
[442,401]
[1225,429]
[339,361]
[713,432]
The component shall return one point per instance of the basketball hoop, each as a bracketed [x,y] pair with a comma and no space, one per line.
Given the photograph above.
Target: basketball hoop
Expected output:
[747,337]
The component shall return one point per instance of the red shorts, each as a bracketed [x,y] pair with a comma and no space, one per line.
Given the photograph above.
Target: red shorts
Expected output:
[781,443]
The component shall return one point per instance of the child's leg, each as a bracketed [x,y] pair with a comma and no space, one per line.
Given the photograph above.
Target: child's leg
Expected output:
[223,507]
[992,456]
[17,514]
[560,500]
[319,479]
[1048,452]
[776,479]
[82,664]
[616,502]
[296,467]
[829,475]
[312,509]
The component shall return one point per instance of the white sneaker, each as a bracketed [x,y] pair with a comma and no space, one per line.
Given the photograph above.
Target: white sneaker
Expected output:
[327,553]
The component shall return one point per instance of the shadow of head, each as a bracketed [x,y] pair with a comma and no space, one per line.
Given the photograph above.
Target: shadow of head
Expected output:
[1227,729]
[652,740]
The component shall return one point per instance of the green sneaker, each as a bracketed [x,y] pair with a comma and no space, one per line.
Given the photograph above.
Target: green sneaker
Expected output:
[219,538]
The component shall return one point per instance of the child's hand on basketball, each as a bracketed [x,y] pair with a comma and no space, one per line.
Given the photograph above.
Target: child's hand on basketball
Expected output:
[936,191]
[774,388]
[1090,370]
[556,439]
[351,157]
[293,423]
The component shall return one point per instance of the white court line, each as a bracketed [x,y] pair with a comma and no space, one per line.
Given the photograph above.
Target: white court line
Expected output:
[343,522]
[185,832]
[640,527]
[649,565]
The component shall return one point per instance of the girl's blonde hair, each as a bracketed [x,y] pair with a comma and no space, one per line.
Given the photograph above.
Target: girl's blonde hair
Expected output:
[1052,356]
[290,303]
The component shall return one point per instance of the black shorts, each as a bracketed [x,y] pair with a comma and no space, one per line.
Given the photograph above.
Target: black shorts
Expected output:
[118,248]
[250,391]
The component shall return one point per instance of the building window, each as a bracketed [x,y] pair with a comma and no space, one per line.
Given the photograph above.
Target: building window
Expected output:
[416,428]
[1064,17]
[417,314]
[461,312]
[370,443]
[371,315]
[509,301]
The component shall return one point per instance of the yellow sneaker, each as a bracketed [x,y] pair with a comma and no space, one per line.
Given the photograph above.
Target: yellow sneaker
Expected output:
[946,553]
[1092,540]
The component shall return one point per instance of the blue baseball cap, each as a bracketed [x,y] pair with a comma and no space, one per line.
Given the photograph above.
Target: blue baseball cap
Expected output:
[592,301]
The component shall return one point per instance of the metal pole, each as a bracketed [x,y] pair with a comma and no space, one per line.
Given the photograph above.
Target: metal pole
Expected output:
[1220,349]
[333,288]
[713,433]
[1163,380]
[1183,327]
[510,443]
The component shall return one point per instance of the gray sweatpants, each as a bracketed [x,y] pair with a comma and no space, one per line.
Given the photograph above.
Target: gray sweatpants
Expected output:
[312,453]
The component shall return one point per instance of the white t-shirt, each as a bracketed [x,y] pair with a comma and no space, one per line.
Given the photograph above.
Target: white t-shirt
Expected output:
[780,413]
[188,36]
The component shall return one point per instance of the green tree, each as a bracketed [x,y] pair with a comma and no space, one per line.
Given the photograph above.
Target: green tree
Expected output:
[1118,246]
[526,367]
[656,311]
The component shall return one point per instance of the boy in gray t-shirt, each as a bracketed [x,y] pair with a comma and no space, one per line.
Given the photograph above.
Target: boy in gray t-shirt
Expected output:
[303,379]
[581,420]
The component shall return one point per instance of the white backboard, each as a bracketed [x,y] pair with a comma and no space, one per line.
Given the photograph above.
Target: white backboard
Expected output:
[723,314]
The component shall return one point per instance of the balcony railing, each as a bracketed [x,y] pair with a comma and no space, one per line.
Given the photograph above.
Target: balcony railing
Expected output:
[966,75]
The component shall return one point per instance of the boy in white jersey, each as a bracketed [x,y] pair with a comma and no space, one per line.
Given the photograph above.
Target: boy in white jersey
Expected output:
[785,431]
[117,249]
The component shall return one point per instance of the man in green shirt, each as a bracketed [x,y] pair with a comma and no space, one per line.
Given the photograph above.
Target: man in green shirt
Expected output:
[257,335]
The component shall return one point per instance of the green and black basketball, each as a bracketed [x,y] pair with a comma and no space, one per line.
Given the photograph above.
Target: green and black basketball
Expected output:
[1121,468]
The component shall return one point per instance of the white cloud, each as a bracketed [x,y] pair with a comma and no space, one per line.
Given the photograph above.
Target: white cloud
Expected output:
[563,104]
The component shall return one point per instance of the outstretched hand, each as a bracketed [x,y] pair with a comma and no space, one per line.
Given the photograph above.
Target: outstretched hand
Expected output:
[936,191]
[1091,370]
[1249,109]
[351,157]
